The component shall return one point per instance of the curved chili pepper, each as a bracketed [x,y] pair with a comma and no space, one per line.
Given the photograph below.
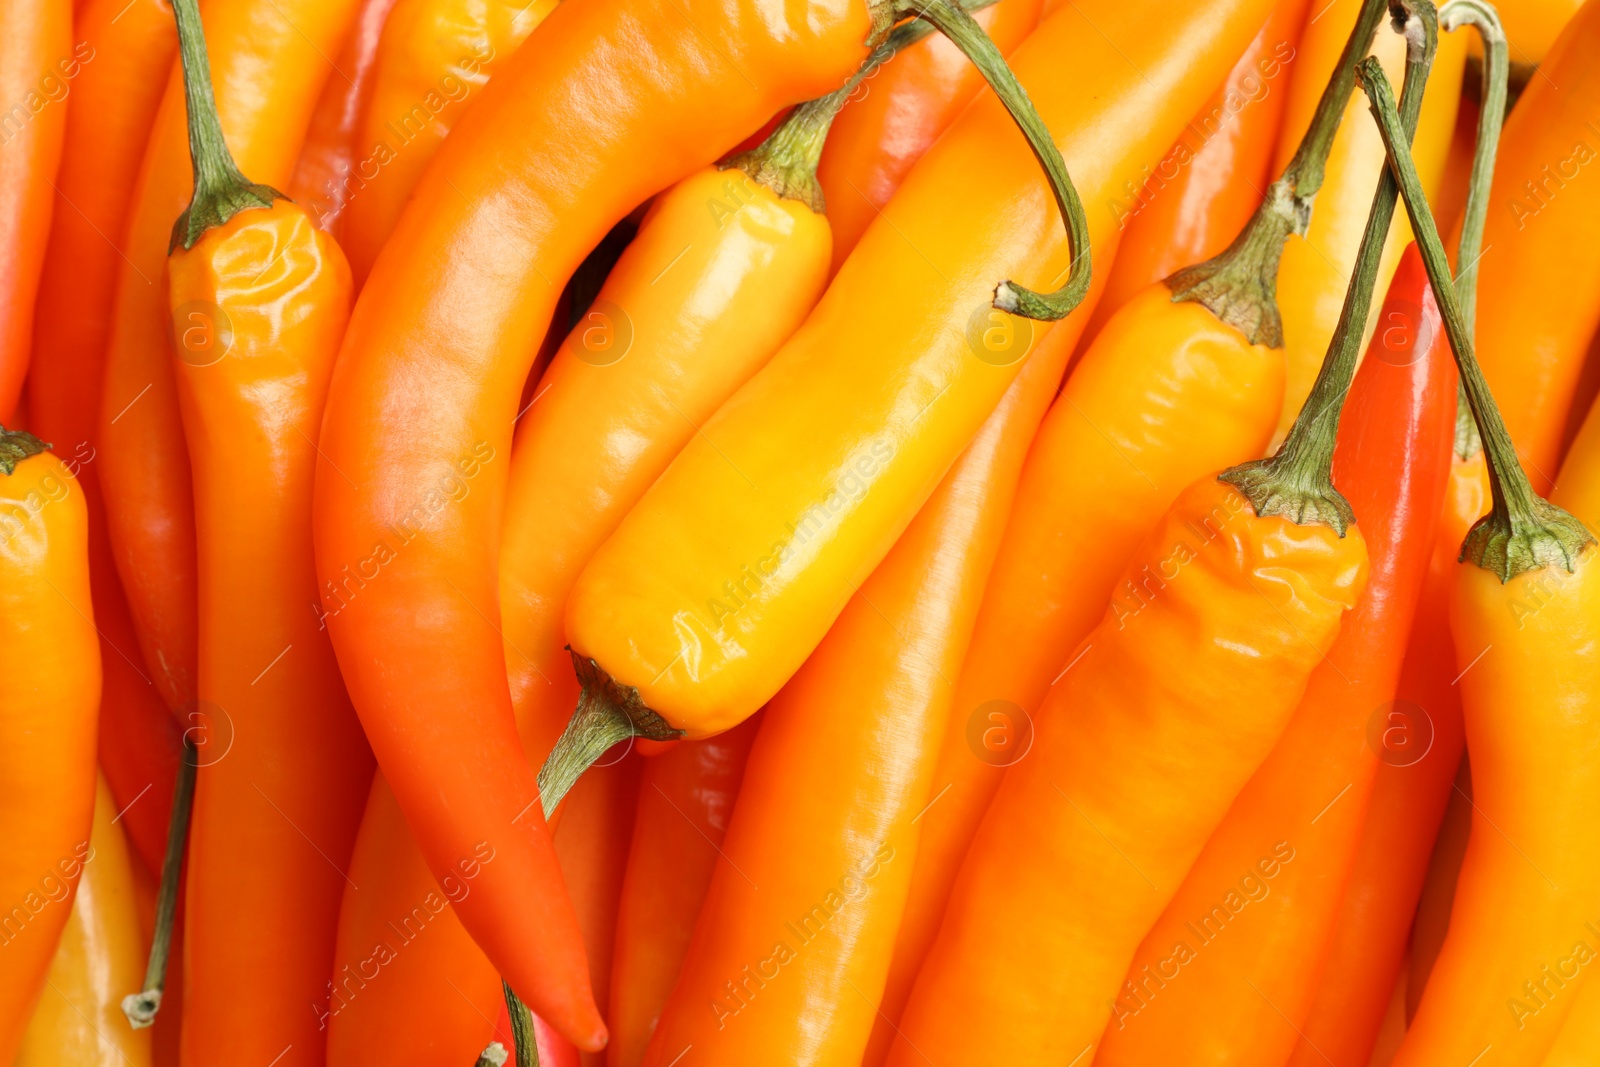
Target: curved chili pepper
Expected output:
[1316,268]
[1525,616]
[259,299]
[38,61]
[77,1020]
[399,338]
[840,773]
[1542,248]
[1091,859]
[270,70]
[1170,390]
[897,114]
[1208,186]
[1242,918]
[322,177]
[49,693]
[433,57]
[686,799]
[114,100]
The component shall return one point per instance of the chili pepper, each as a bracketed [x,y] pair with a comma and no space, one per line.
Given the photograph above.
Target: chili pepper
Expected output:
[1209,185]
[666,131]
[1579,1039]
[686,798]
[114,99]
[322,177]
[1311,282]
[1542,248]
[840,773]
[434,55]
[893,118]
[1524,621]
[259,298]
[77,1019]
[1532,27]
[793,550]
[49,692]
[1431,922]
[270,67]
[1171,390]
[1090,859]
[37,62]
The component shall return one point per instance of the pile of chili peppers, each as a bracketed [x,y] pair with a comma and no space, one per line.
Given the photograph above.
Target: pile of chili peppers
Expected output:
[879,533]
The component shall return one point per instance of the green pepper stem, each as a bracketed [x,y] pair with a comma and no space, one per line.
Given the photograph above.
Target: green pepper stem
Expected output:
[1240,284]
[1297,482]
[1491,115]
[786,162]
[521,1029]
[952,20]
[16,446]
[141,1007]
[1523,531]
[220,191]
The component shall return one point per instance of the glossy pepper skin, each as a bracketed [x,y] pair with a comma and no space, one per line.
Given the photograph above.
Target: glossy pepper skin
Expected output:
[114,98]
[268,68]
[38,60]
[897,114]
[840,772]
[722,272]
[1307,799]
[323,176]
[428,386]
[259,305]
[735,563]
[1408,803]
[686,798]
[1542,249]
[49,694]
[1316,267]
[432,61]
[1203,192]
[1166,393]
[1130,769]
[78,1019]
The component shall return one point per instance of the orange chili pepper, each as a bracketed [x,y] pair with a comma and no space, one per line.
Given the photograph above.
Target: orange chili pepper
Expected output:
[77,1020]
[433,56]
[113,104]
[1542,249]
[1316,264]
[795,937]
[686,798]
[664,132]
[269,66]
[1258,907]
[38,61]
[897,114]
[1525,616]
[1210,184]
[259,299]
[1170,390]
[49,692]
[322,176]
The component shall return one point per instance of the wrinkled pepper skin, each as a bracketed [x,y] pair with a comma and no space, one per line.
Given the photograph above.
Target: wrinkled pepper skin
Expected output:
[732,567]
[39,59]
[259,304]
[433,60]
[417,438]
[79,1019]
[1131,768]
[897,114]
[112,105]
[49,696]
[268,69]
